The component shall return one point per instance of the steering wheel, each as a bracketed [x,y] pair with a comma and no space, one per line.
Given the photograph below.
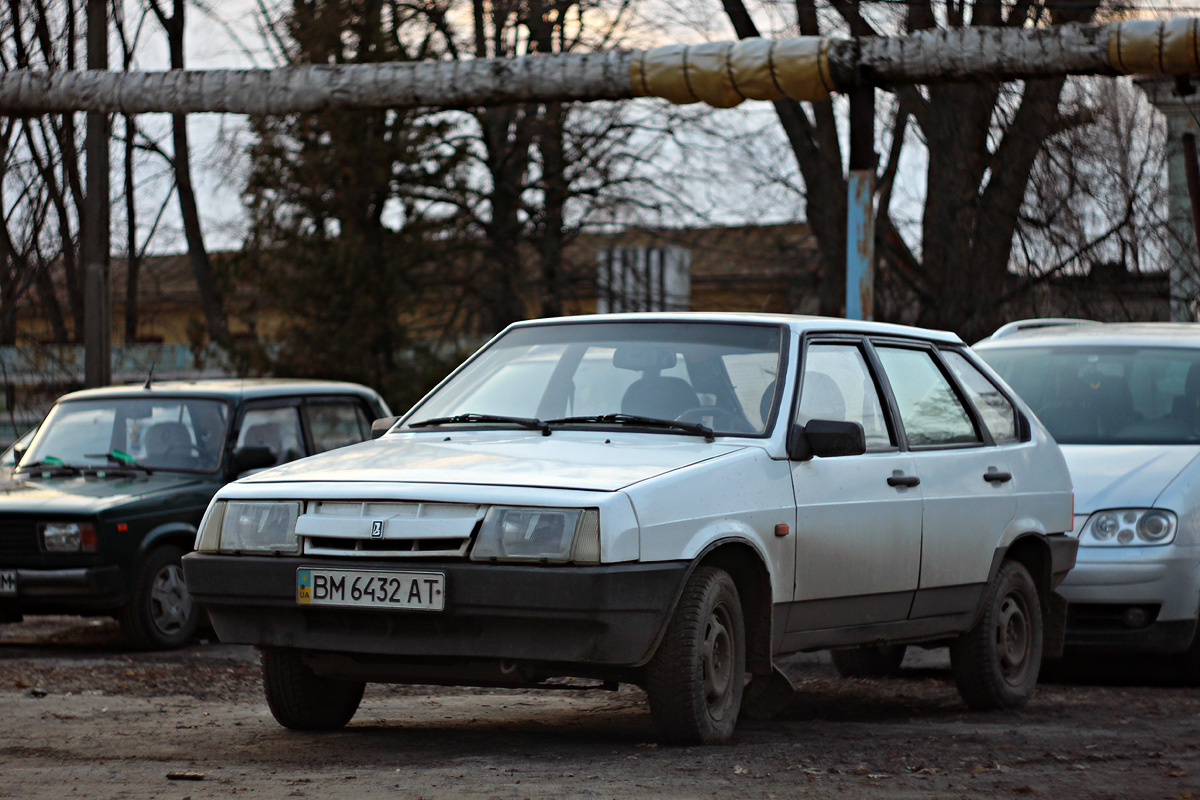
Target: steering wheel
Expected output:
[722,418]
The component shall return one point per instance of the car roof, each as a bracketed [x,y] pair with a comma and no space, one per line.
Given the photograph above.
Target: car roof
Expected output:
[231,389]
[798,323]
[1105,334]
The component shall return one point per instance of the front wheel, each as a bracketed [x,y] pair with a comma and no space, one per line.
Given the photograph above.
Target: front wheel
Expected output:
[160,614]
[302,700]
[995,664]
[696,679]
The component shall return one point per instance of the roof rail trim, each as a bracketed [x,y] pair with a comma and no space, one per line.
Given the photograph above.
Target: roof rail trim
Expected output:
[1039,322]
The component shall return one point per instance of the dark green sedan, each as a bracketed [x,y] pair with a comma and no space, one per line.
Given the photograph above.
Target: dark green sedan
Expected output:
[106,499]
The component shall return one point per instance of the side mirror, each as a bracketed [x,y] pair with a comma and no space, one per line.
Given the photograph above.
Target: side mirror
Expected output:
[381,426]
[826,438]
[254,457]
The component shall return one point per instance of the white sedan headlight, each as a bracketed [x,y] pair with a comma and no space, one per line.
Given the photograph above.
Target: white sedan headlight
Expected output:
[551,535]
[253,527]
[1128,526]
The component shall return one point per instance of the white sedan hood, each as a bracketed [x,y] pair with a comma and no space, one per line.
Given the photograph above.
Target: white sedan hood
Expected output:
[596,461]
[1123,476]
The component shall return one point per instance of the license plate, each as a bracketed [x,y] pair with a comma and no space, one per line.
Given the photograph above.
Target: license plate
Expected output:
[8,582]
[418,591]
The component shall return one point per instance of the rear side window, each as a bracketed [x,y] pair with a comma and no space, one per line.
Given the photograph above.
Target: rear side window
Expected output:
[336,424]
[998,413]
[275,428]
[929,409]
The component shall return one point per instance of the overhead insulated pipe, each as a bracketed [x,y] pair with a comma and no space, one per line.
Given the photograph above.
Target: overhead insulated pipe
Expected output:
[721,74]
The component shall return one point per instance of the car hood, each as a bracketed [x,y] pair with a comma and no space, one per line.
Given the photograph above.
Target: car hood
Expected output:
[1123,476]
[567,460]
[82,495]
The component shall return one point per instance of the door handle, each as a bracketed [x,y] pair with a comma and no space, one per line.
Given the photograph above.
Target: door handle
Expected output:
[994,475]
[898,478]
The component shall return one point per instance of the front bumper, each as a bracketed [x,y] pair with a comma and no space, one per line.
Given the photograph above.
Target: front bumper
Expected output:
[609,616]
[70,591]
[1108,583]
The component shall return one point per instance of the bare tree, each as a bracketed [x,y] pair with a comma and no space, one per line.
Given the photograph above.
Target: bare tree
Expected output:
[982,138]
[41,192]
[1096,202]
[206,280]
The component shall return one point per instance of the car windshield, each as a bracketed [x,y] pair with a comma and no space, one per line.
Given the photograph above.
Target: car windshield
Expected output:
[1107,395]
[719,376]
[184,434]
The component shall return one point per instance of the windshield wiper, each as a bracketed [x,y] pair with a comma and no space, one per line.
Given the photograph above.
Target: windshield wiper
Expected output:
[634,419]
[524,422]
[52,465]
[121,459]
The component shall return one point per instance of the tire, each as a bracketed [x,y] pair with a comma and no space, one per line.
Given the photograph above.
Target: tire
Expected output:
[869,661]
[160,614]
[1188,662]
[302,700]
[696,678]
[996,663]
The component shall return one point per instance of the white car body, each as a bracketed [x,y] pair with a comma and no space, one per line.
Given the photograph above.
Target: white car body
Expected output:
[1134,596]
[825,551]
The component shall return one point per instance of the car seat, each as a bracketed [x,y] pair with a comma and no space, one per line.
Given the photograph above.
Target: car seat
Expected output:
[169,444]
[659,397]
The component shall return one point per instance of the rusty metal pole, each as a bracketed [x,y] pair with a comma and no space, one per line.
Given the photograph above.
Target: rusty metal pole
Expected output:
[97,326]
[860,207]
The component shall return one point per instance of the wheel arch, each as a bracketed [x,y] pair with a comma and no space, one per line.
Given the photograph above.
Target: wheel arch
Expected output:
[745,565]
[179,534]
[1032,552]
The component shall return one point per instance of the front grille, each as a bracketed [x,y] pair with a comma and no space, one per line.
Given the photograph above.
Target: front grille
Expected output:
[18,537]
[382,530]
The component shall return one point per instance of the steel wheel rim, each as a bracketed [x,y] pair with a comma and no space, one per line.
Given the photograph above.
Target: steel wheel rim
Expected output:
[170,604]
[717,659]
[1014,638]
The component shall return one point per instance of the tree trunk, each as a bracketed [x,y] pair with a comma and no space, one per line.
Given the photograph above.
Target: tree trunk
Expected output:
[211,299]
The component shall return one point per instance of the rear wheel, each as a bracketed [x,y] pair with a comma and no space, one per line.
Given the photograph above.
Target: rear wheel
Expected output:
[160,614]
[696,679]
[302,700]
[996,663]
[869,661]
[1189,662]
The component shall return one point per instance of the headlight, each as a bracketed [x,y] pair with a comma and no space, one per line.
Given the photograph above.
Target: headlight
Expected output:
[551,535]
[208,540]
[1128,526]
[68,537]
[267,527]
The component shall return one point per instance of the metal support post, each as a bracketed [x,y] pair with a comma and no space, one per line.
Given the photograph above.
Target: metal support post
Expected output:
[97,325]
[860,207]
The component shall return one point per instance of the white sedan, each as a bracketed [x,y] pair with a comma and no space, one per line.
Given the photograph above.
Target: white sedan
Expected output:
[671,500]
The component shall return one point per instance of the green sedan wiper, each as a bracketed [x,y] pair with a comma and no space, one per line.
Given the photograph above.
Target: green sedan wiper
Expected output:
[635,419]
[121,459]
[52,465]
[524,422]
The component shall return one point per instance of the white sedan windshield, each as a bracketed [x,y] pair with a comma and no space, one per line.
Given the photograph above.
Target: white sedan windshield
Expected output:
[718,375]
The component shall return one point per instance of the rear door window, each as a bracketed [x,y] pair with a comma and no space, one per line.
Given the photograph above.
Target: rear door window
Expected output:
[930,410]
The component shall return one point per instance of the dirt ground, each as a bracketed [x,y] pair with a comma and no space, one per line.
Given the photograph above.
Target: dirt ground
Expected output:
[80,717]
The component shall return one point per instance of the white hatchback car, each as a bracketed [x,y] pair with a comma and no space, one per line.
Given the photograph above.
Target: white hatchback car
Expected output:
[671,500]
[1123,400]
